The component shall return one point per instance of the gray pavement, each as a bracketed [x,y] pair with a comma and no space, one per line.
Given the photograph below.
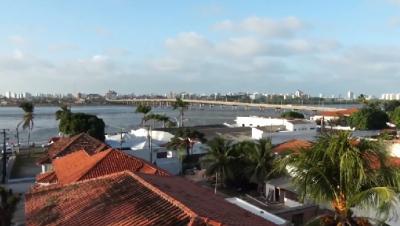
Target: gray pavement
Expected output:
[21,186]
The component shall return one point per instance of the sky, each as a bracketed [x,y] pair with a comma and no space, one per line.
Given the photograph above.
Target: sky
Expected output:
[328,47]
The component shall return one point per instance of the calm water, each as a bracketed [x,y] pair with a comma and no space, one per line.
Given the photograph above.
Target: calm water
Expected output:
[120,117]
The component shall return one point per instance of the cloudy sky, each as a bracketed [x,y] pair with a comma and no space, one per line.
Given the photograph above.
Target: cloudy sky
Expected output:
[153,46]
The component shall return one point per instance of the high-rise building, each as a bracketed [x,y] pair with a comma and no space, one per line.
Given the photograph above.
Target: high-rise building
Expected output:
[350,95]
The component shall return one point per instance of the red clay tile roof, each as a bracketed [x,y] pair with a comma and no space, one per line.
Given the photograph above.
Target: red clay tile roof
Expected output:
[292,145]
[132,199]
[346,112]
[68,145]
[82,166]
[47,178]
[203,201]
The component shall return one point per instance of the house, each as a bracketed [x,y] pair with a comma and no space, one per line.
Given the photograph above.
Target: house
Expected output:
[294,145]
[128,198]
[67,145]
[79,166]
[333,115]
[138,144]
[300,125]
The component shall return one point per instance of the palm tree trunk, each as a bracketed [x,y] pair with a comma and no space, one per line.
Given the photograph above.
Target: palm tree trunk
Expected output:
[216,182]
[181,118]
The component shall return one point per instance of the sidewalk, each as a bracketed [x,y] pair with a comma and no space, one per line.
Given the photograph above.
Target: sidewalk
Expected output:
[20,185]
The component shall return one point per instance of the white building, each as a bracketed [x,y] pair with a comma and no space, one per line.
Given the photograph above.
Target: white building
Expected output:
[136,143]
[350,95]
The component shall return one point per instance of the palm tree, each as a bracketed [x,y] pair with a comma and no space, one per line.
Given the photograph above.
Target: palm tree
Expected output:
[347,174]
[165,120]
[185,138]
[61,114]
[261,162]
[182,106]
[27,121]
[143,109]
[219,159]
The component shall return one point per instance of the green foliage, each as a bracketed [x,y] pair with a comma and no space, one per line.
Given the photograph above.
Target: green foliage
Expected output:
[346,173]
[185,138]
[8,203]
[75,123]
[395,116]
[292,115]
[391,105]
[240,164]
[369,118]
[165,120]
[182,106]
[143,109]
[27,120]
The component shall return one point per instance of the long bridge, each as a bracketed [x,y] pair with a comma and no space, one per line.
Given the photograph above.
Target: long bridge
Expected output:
[168,102]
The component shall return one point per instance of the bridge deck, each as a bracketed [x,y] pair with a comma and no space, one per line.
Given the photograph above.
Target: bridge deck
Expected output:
[230,103]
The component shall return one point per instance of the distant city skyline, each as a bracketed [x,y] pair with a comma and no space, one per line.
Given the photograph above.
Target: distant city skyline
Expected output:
[200,47]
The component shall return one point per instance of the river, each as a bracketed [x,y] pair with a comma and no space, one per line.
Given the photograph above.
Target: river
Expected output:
[117,117]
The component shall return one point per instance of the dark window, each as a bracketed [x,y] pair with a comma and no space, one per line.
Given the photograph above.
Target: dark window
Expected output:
[162,155]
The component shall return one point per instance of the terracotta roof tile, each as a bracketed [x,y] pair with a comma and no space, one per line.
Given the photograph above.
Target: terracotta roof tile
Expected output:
[346,112]
[82,166]
[47,178]
[133,199]
[203,201]
[66,145]
[292,145]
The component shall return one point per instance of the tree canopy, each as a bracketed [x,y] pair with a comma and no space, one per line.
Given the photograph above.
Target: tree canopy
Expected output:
[369,118]
[395,117]
[292,115]
[75,123]
[347,174]
[27,121]
[391,105]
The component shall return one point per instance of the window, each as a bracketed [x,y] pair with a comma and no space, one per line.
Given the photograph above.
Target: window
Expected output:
[162,155]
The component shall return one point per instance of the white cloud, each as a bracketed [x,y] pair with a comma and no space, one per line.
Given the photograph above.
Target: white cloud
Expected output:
[282,28]
[17,39]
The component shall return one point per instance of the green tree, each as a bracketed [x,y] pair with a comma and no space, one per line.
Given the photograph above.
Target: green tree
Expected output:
[395,117]
[261,162]
[391,105]
[292,115]
[8,203]
[182,106]
[185,138]
[219,159]
[370,118]
[362,99]
[75,123]
[347,174]
[165,120]
[27,121]
[143,109]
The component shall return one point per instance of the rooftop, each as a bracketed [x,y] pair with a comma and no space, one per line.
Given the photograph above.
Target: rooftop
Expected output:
[66,145]
[128,198]
[292,145]
[80,165]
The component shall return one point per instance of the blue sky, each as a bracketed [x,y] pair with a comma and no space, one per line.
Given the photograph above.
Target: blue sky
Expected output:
[317,46]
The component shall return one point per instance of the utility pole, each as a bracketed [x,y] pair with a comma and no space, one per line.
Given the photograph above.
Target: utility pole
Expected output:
[4,133]
[150,143]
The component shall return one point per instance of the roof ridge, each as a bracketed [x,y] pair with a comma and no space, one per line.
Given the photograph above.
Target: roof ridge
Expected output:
[92,166]
[72,139]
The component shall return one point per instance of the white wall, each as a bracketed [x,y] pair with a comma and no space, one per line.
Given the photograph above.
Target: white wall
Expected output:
[307,126]
[254,121]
